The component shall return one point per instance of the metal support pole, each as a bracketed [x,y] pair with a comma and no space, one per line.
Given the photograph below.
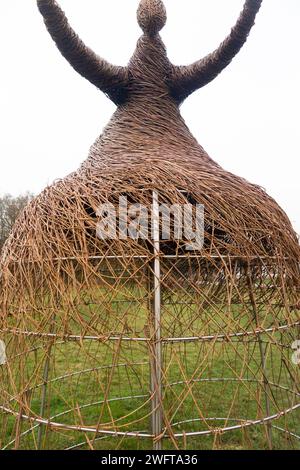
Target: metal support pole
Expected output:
[156,360]
[267,388]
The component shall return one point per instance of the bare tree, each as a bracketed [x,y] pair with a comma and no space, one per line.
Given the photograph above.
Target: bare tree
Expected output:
[10,208]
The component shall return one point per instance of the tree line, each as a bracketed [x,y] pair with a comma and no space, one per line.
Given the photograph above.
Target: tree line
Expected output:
[10,208]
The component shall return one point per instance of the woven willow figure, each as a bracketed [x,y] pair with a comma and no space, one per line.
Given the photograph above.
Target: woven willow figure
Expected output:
[141,341]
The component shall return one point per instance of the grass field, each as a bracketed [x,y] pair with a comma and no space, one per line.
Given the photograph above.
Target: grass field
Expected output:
[207,385]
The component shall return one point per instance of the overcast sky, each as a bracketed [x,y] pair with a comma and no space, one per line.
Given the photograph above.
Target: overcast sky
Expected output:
[247,119]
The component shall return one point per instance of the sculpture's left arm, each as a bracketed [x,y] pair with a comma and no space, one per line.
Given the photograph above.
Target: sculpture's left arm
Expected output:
[187,79]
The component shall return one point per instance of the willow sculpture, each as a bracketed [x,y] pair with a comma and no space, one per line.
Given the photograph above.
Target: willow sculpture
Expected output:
[132,341]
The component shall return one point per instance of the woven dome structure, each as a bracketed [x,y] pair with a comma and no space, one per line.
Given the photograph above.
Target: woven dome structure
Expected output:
[140,341]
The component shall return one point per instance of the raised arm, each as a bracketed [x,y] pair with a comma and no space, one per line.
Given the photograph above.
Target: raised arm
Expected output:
[110,79]
[187,79]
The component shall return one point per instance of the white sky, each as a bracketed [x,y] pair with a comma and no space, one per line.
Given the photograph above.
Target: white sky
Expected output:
[247,119]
